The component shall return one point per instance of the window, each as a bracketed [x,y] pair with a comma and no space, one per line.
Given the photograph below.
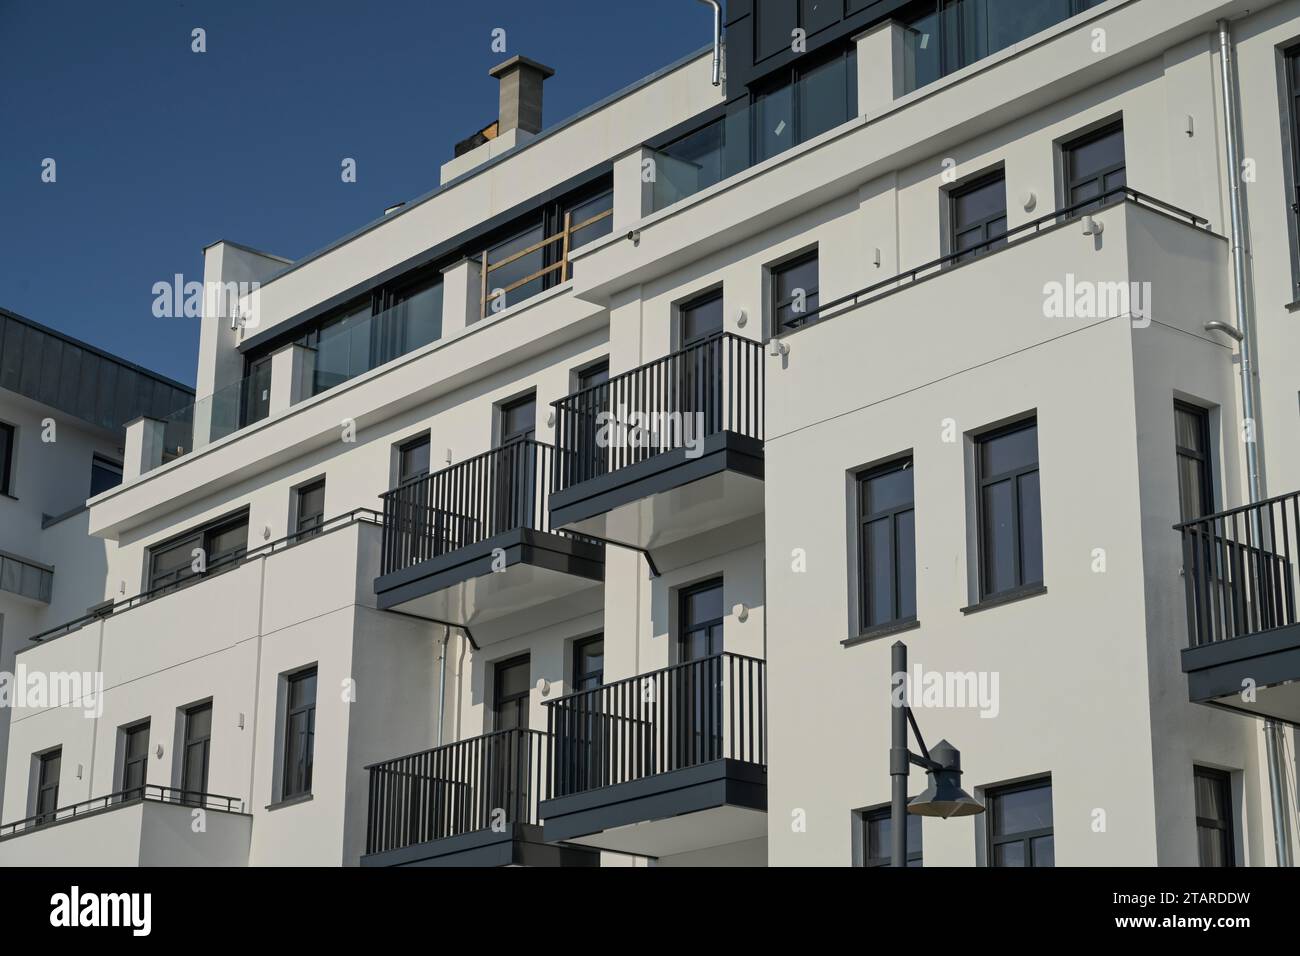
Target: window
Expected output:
[588,663]
[256,404]
[1214,844]
[701,317]
[1192,447]
[699,632]
[299,733]
[519,419]
[874,830]
[104,474]
[1020,825]
[135,760]
[413,459]
[977,216]
[195,752]
[804,101]
[7,444]
[1010,520]
[412,316]
[794,292]
[223,543]
[887,545]
[310,509]
[1094,164]
[48,767]
[23,577]
[1293,116]
[511,693]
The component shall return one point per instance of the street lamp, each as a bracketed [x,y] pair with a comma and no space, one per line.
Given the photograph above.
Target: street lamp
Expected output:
[943,797]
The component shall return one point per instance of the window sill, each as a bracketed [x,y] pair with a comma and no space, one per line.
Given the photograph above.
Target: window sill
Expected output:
[1007,597]
[1293,306]
[290,802]
[5,494]
[881,630]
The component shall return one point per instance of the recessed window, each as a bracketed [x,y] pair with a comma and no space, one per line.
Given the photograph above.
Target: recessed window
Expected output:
[1020,825]
[886,545]
[701,317]
[310,509]
[413,459]
[1192,447]
[299,733]
[7,442]
[519,419]
[1214,843]
[875,829]
[195,752]
[1010,519]
[511,685]
[794,292]
[256,403]
[588,663]
[1293,115]
[135,760]
[23,577]
[700,619]
[977,215]
[104,474]
[1094,165]
[48,767]
[223,543]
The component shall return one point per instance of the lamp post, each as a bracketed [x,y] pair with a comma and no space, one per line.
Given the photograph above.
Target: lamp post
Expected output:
[944,796]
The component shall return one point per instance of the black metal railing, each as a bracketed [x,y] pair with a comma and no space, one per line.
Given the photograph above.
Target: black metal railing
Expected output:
[678,717]
[477,784]
[713,386]
[500,490]
[1239,570]
[149,792]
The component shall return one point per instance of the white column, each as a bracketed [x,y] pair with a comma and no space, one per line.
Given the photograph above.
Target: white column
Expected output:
[633,195]
[144,447]
[290,369]
[462,287]
[885,67]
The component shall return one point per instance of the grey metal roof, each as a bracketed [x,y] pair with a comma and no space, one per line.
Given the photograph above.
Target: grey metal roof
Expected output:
[77,378]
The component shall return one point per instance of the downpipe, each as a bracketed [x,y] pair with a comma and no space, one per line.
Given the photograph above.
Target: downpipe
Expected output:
[1249,387]
[717,40]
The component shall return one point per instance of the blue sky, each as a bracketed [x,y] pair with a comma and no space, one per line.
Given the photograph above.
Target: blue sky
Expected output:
[161,151]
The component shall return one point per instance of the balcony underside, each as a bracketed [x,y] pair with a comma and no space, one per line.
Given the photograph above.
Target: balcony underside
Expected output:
[668,497]
[1218,673]
[520,844]
[721,802]
[464,588]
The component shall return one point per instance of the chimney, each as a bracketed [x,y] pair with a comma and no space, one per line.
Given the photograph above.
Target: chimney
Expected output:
[521,94]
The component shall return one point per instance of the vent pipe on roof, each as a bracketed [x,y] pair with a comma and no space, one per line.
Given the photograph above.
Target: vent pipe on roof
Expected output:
[717,40]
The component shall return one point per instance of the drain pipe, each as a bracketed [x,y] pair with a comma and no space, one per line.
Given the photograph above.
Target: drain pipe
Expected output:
[442,679]
[717,40]
[1249,389]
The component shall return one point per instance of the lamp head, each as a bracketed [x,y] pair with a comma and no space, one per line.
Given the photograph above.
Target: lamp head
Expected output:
[944,797]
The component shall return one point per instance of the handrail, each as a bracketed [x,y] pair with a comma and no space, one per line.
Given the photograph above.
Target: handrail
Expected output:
[149,792]
[356,515]
[563,236]
[1105,201]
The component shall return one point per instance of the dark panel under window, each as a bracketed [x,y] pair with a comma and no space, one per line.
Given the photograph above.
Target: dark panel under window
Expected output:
[775,24]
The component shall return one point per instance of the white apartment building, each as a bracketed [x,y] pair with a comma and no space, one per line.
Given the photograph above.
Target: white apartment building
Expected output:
[567,514]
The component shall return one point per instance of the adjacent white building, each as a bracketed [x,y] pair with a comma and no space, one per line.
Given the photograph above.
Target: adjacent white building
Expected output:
[567,514]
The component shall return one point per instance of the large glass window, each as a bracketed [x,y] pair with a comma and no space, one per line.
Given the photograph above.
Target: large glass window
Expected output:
[1094,164]
[808,100]
[1214,842]
[135,760]
[223,543]
[887,545]
[299,733]
[1192,447]
[977,214]
[1010,518]
[196,752]
[794,292]
[7,434]
[1020,825]
[875,831]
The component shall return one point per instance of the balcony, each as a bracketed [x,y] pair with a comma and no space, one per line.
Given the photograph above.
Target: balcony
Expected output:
[1239,572]
[471,803]
[148,826]
[473,542]
[662,763]
[665,451]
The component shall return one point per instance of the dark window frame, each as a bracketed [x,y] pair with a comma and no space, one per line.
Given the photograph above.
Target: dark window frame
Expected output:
[402,447]
[1225,826]
[865,518]
[812,297]
[308,525]
[130,791]
[990,240]
[698,301]
[1291,64]
[9,435]
[581,677]
[189,793]
[681,641]
[983,481]
[788,79]
[503,411]
[200,537]
[520,700]
[1025,837]
[1204,459]
[296,781]
[47,784]
[103,463]
[1068,146]
[862,821]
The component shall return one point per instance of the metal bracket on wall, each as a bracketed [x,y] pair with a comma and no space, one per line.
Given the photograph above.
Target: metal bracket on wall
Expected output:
[433,620]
